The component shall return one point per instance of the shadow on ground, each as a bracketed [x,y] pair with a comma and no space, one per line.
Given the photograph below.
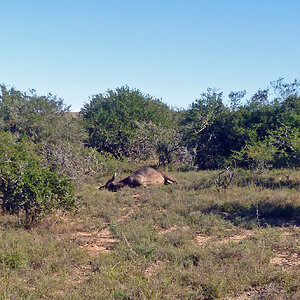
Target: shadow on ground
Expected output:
[262,213]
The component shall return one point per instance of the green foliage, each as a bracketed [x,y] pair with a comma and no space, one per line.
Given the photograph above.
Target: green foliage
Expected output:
[10,259]
[210,131]
[287,143]
[127,124]
[112,119]
[59,135]
[256,154]
[280,148]
[153,140]
[31,115]
[26,185]
[144,144]
[263,131]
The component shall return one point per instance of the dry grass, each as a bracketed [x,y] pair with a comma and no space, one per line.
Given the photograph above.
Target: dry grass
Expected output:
[186,241]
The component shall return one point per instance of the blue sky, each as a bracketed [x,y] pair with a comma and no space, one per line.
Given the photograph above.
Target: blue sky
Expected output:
[173,50]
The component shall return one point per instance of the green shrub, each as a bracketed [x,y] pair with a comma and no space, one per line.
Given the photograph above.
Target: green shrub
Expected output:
[28,186]
[10,259]
[113,120]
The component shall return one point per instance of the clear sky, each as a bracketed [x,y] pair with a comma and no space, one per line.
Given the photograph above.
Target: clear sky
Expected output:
[173,50]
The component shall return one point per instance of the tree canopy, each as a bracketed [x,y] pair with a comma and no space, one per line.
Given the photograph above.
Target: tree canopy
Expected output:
[112,119]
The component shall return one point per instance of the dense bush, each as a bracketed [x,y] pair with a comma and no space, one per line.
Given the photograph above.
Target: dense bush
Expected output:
[125,123]
[38,117]
[210,131]
[25,185]
[272,128]
[280,148]
[113,119]
[262,128]
[59,136]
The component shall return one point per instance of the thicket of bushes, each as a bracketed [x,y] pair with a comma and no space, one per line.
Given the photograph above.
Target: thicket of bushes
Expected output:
[264,130]
[42,154]
[45,150]
[26,185]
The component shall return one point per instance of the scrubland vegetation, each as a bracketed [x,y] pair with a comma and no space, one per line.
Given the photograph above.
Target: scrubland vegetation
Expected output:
[228,230]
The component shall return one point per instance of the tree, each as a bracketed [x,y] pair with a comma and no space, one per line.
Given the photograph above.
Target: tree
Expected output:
[210,131]
[38,117]
[235,99]
[113,119]
[271,127]
[58,136]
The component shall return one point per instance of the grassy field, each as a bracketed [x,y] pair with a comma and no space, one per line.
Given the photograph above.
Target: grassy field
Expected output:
[191,240]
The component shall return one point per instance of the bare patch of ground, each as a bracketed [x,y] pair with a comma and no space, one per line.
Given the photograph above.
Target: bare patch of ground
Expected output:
[237,237]
[81,273]
[165,231]
[153,269]
[202,240]
[288,231]
[131,212]
[171,229]
[286,261]
[244,296]
[95,242]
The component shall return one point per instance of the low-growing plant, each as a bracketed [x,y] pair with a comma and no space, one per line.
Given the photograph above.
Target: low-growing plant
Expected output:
[10,259]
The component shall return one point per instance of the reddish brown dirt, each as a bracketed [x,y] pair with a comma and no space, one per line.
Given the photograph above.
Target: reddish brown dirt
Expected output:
[286,261]
[153,269]
[95,242]
[201,240]
[172,228]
